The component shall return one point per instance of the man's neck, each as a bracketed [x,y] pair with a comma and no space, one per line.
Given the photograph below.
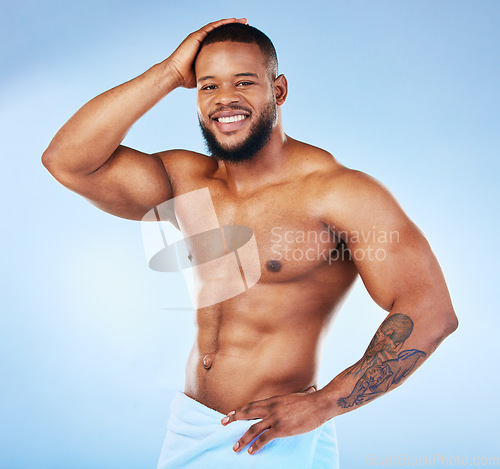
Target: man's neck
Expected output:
[266,167]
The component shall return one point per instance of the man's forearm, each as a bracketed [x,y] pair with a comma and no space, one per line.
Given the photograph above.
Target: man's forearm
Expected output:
[397,349]
[91,136]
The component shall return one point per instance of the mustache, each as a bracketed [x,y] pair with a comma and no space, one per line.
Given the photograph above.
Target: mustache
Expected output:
[234,107]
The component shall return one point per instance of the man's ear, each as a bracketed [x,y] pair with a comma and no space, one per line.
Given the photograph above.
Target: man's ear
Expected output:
[280,86]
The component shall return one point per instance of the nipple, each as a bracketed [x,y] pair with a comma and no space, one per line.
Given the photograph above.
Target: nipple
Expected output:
[273,266]
[207,362]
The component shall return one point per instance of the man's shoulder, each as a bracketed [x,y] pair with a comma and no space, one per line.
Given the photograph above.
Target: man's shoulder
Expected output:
[351,189]
[185,160]
[332,176]
[352,199]
[337,186]
[185,157]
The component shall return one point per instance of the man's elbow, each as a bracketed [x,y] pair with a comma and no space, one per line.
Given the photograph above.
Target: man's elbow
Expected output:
[56,163]
[49,158]
[445,325]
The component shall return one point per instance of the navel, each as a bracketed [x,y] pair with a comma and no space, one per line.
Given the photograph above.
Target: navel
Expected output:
[273,266]
[207,362]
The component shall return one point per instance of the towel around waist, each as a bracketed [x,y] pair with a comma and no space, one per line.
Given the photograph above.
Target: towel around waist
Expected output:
[196,439]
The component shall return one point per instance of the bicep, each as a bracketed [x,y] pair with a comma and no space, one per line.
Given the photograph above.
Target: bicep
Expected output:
[128,185]
[396,263]
[391,254]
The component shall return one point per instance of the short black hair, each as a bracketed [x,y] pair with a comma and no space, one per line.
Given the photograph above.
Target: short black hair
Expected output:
[239,32]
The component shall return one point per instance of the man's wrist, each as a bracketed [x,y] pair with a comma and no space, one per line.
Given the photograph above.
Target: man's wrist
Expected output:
[169,77]
[164,77]
[327,402]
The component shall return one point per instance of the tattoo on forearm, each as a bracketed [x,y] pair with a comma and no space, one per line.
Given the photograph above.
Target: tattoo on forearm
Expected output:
[383,364]
[385,345]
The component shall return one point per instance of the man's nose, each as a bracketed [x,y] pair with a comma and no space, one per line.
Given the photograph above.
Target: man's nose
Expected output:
[227,95]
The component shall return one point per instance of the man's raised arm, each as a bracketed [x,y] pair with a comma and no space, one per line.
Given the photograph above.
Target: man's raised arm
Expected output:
[86,155]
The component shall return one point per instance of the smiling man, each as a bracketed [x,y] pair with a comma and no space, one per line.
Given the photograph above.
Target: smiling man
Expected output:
[251,397]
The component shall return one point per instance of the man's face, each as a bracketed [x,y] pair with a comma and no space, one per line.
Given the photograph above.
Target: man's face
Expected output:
[236,104]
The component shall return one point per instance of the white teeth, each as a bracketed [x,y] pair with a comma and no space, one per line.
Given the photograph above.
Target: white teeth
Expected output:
[228,120]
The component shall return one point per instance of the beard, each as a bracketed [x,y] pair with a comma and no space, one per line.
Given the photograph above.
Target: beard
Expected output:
[259,135]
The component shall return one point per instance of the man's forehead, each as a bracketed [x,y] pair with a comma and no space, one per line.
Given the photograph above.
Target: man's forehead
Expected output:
[231,54]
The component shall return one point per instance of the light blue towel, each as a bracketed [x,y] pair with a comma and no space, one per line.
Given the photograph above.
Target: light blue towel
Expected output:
[197,440]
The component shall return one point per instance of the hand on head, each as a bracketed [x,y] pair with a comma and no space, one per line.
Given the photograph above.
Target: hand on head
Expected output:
[181,61]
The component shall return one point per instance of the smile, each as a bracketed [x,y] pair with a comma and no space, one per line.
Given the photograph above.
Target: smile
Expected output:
[230,119]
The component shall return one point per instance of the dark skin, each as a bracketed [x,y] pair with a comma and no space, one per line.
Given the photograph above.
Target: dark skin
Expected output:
[256,355]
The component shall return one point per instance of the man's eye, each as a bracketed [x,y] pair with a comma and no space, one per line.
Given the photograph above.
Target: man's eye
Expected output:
[244,83]
[209,87]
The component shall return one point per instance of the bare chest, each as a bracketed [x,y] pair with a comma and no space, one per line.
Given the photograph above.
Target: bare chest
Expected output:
[291,239]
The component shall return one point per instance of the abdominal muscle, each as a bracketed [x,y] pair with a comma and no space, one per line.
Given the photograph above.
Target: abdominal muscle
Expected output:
[256,346]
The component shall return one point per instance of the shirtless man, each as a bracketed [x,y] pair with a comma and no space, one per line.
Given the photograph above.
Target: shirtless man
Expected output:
[256,355]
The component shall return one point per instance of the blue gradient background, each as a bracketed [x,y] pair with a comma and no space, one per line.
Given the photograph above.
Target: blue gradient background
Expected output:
[90,358]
